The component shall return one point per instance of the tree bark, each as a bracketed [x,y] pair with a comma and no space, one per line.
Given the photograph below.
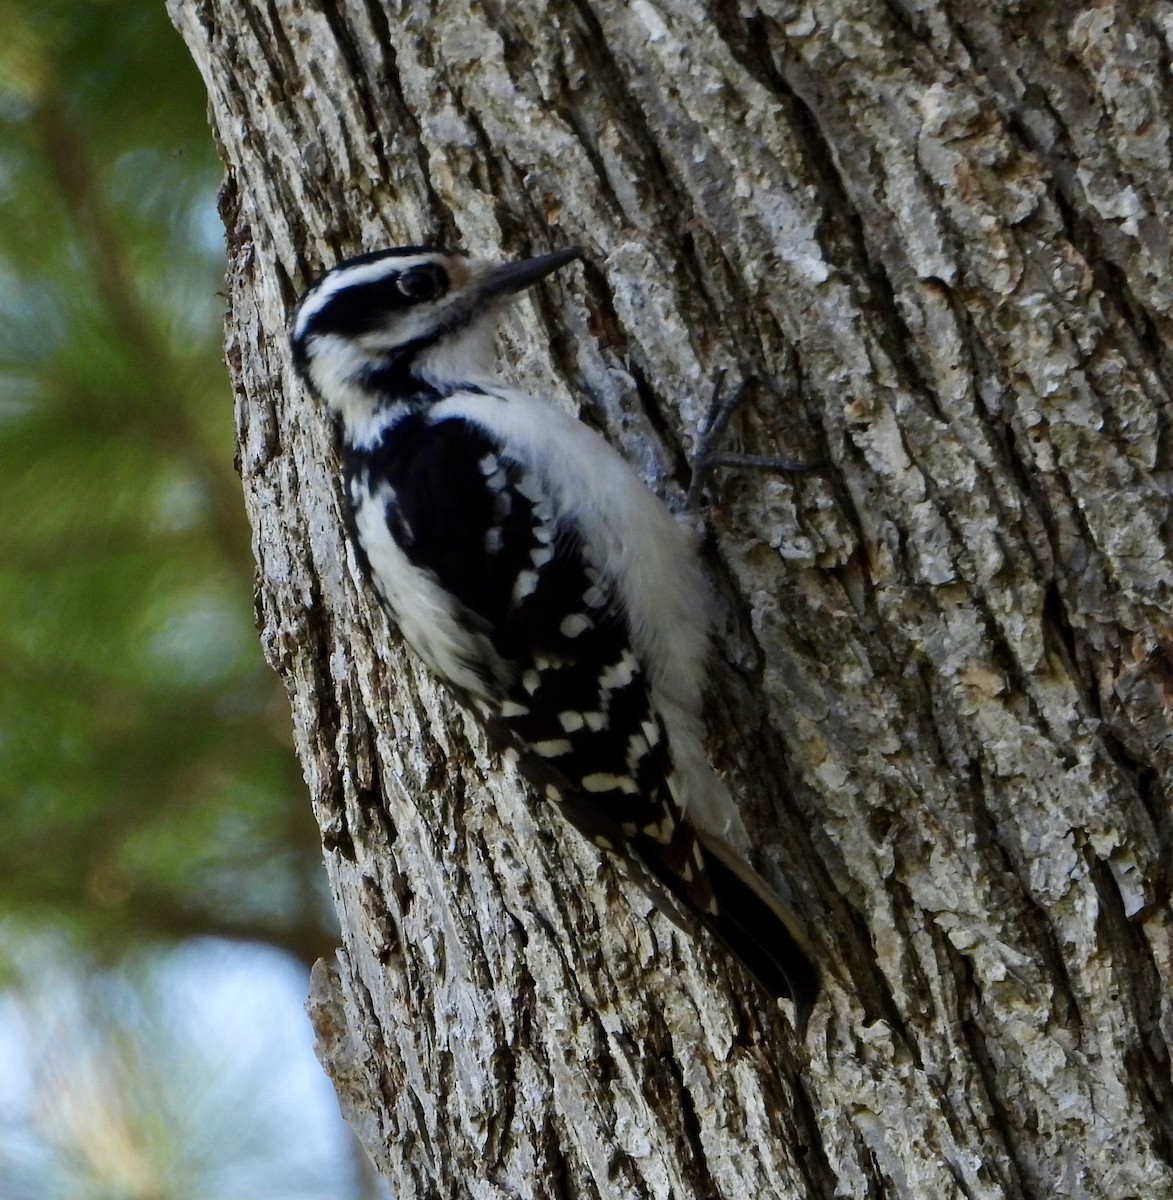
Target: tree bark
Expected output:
[937,236]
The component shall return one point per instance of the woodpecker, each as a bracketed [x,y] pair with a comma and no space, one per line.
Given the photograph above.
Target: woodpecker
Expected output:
[533,571]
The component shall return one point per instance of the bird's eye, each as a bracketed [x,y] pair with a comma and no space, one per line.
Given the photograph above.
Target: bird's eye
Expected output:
[426,282]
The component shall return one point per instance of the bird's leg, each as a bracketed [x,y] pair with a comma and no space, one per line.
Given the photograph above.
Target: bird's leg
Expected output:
[709,455]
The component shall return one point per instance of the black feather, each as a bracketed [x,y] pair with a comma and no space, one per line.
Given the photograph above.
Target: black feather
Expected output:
[759,930]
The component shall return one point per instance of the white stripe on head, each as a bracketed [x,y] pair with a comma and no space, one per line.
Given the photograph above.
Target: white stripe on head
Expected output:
[345,276]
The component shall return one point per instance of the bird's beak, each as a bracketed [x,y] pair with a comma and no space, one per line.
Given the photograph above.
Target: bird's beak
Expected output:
[508,278]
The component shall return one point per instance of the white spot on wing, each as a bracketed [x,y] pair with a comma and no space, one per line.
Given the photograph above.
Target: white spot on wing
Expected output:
[574,625]
[527,582]
[620,674]
[570,721]
[604,781]
[552,748]
[663,830]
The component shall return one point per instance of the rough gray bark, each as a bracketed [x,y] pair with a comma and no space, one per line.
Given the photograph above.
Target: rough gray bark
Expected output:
[938,236]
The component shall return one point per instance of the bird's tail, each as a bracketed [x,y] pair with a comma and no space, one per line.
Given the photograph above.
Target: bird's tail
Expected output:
[759,929]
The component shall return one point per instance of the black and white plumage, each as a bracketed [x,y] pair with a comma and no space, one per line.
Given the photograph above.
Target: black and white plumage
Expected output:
[532,570]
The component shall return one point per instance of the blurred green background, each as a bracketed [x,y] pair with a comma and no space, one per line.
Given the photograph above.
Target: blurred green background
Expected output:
[161,888]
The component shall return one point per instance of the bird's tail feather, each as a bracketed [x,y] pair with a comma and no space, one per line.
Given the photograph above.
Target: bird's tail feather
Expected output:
[759,929]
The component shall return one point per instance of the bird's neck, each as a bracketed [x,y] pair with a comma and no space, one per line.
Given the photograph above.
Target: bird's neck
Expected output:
[374,398]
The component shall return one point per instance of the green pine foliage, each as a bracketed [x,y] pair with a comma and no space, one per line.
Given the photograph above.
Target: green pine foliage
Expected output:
[147,782]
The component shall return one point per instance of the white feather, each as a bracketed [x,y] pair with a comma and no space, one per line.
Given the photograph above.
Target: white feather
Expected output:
[633,540]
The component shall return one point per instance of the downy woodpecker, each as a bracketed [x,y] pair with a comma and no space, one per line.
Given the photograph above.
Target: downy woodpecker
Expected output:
[536,575]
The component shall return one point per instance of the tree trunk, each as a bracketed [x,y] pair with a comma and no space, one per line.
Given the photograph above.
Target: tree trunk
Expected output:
[937,236]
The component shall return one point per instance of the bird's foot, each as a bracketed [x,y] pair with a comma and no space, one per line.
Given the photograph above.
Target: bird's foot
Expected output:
[709,455]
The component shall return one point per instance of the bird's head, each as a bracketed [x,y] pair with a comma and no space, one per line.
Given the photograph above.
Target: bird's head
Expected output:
[393,319]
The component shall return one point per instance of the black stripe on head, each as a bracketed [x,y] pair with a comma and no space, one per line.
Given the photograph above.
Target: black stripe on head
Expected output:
[363,306]
[360,308]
